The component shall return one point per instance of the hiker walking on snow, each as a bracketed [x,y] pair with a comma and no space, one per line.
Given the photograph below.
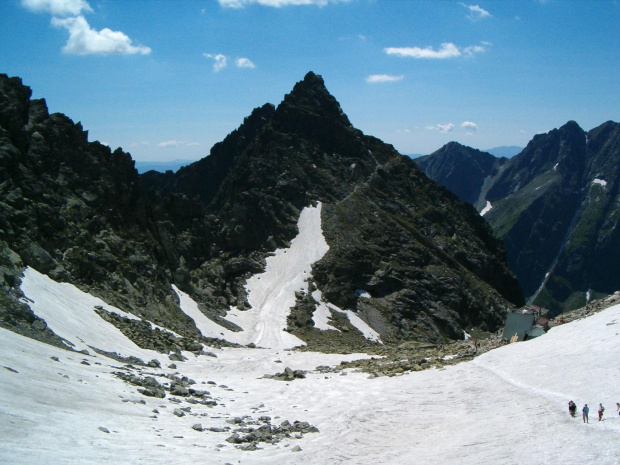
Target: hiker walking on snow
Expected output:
[601,409]
[572,408]
[585,410]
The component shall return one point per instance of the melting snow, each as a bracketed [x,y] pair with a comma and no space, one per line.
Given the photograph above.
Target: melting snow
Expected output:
[321,314]
[84,328]
[354,319]
[362,294]
[271,294]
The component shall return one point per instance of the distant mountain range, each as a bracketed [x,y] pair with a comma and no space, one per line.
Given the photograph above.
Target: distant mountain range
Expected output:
[555,205]
[405,256]
[161,166]
[505,151]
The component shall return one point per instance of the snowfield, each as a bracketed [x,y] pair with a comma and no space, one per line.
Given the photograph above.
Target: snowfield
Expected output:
[508,406]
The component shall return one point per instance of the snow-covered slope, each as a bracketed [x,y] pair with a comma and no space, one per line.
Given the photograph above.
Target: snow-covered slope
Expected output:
[506,407]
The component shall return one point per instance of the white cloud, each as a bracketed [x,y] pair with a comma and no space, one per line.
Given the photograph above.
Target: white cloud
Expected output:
[86,41]
[447,50]
[177,143]
[472,50]
[476,13]
[221,61]
[375,78]
[138,144]
[472,127]
[244,63]
[442,128]
[276,3]
[57,7]
[169,143]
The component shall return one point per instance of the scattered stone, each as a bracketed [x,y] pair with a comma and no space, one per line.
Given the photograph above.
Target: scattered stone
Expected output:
[218,429]
[55,358]
[104,429]
[288,375]
[297,448]
[247,437]
[178,412]
[177,357]
[11,369]
[197,427]
[39,325]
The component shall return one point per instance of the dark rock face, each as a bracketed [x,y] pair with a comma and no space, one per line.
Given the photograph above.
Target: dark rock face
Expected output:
[555,205]
[75,210]
[80,213]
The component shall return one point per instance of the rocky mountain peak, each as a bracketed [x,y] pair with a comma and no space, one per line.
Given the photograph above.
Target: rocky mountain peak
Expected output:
[460,168]
[310,110]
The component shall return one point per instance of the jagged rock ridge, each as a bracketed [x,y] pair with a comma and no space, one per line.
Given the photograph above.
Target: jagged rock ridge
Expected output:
[80,213]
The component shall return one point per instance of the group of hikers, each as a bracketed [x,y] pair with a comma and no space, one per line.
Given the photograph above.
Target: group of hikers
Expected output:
[572,409]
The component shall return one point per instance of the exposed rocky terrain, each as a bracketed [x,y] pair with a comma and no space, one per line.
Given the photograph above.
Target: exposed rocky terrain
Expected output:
[555,205]
[79,212]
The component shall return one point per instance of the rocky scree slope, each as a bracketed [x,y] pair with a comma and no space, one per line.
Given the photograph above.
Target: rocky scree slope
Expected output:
[80,213]
[555,205]
[431,265]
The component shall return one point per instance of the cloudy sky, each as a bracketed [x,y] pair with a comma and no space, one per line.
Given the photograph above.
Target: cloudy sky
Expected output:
[166,80]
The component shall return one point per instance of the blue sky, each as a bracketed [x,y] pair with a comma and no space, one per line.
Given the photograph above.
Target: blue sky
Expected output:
[166,80]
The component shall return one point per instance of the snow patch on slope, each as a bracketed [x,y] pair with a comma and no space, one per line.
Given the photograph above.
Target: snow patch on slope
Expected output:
[271,294]
[354,318]
[205,325]
[486,209]
[78,323]
[600,182]
[321,314]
